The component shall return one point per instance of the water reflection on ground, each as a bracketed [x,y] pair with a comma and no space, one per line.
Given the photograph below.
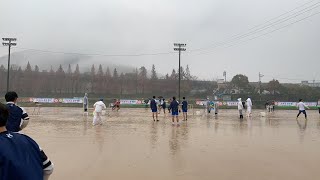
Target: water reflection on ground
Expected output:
[129,145]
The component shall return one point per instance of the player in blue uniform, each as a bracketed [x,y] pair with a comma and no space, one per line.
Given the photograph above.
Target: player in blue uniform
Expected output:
[174,110]
[154,108]
[185,109]
[18,118]
[21,158]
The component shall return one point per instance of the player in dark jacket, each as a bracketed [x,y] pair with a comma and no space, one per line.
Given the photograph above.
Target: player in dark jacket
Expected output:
[174,110]
[185,109]
[18,118]
[154,108]
[21,158]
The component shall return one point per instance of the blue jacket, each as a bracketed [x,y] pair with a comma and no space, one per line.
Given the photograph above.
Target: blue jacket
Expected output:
[21,158]
[18,118]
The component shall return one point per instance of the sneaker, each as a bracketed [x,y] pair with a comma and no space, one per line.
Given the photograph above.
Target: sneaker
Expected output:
[173,123]
[157,119]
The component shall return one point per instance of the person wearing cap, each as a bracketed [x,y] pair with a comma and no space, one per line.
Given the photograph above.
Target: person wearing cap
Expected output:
[21,158]
[18,117]
[98,107]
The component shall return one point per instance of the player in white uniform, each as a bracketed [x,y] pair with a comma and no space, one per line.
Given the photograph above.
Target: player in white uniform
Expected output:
[249,107]
[85,104]
[302,108]
[240,108]
[98,107]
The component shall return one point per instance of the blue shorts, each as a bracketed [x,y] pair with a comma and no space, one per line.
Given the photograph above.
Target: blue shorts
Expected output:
[154,110]
[175,113]
[184,110]
[302,111]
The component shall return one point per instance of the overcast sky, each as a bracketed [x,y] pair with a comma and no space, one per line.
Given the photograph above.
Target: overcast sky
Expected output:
[131,27]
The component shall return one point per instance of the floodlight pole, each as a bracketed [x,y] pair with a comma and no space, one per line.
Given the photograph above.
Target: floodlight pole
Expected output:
[8,42]
[179,45]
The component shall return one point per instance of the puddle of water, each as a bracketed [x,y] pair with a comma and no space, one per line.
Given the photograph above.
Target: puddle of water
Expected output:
[129,145]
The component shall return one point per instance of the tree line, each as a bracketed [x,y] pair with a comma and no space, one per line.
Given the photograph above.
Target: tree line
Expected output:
[30,81]
[141,83]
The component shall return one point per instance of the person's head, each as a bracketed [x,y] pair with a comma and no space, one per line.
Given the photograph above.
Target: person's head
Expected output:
[163,99]
[11,96]
[101,99]
[153,97]
[300,100]
[85,94]
[174,98]
[4,113]
[184,98]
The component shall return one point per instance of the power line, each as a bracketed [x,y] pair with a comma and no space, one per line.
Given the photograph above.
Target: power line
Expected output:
[96,54]
[235,38]
[263,26]
[240,42]
[275,77]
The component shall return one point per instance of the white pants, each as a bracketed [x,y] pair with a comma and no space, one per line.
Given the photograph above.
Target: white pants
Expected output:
[97,118]
[249,109]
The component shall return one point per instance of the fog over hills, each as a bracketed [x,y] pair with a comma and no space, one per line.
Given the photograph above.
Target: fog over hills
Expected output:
[45,61]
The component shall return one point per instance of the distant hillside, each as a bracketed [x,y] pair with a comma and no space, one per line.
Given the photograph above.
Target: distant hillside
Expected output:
[45,61]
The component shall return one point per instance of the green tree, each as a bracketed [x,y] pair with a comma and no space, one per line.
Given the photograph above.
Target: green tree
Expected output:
[188,74]
[273,86]
[153,73]
[173,75]
[142,78]
[240,81]
[115,73]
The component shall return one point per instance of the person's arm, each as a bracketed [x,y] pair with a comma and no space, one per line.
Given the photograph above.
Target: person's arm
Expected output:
[47,165]
[24,119]
[306,106]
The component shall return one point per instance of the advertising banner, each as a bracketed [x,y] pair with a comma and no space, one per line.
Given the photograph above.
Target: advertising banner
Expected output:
[44,100]
[293,104]
[221,103]
[72,100]
[130,102]
[201,102]
[232,103]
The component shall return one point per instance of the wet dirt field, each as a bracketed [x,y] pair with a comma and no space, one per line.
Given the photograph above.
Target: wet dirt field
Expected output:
[129,145]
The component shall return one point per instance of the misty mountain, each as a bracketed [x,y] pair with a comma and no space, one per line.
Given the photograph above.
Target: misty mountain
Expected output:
[45,61]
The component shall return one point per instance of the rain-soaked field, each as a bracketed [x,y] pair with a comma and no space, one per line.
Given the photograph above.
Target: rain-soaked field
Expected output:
[129,145]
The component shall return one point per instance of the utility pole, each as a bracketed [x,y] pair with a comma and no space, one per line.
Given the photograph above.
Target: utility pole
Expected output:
[260,76]
[180,48]
[8,42]
[225,76]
